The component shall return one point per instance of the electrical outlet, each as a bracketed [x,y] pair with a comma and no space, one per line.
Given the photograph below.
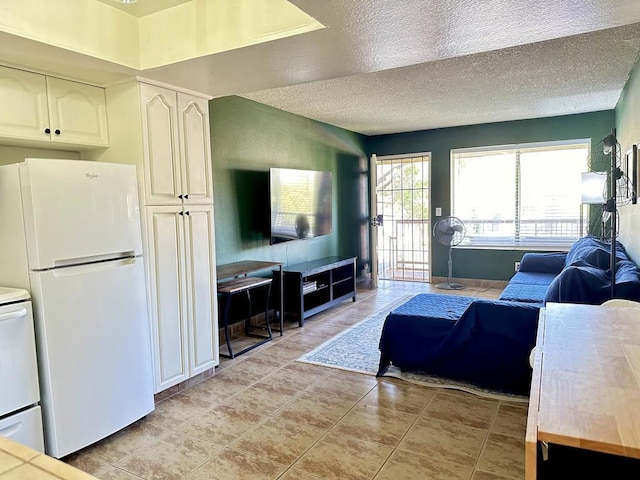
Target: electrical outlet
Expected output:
[438,211]
[517,266]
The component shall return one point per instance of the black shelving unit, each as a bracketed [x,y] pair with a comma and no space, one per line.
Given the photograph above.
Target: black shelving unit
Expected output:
[312,287]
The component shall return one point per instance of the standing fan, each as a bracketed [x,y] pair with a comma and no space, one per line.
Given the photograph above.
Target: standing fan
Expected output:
[449,231]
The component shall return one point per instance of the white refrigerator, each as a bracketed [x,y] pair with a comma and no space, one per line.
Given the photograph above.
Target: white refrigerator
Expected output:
[71,235]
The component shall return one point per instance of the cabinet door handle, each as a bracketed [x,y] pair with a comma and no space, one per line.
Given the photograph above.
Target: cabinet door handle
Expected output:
[47,131]
[180,213]
[187,212]
[57,131]
[186,196]
[180,196]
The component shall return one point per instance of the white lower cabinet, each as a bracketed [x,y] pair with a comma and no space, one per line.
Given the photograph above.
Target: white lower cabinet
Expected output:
[182,281]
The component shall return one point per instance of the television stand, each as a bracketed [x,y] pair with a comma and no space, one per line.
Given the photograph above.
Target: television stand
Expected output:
[314,286]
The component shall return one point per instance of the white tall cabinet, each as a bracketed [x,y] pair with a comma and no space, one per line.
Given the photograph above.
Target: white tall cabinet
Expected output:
[165,132]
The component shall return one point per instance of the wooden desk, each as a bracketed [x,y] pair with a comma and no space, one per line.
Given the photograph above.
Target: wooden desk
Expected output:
[585,391]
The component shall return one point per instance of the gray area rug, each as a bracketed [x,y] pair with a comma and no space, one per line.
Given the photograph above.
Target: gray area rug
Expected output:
[356,350]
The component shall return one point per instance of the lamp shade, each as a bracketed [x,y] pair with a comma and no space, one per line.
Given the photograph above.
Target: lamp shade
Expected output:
[593,187]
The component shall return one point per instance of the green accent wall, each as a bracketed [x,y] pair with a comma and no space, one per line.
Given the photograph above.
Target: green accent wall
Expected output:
[247,138]
[485,263]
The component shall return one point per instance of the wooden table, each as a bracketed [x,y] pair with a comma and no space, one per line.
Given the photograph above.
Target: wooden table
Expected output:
[585,391]
[233,278]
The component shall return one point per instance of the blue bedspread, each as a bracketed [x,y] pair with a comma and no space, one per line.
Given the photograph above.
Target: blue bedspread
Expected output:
[486,342]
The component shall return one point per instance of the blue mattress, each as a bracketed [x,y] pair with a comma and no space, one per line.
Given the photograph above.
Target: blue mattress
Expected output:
[486,342]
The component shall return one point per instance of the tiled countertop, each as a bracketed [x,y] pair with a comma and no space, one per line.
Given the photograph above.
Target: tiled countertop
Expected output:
[18,462]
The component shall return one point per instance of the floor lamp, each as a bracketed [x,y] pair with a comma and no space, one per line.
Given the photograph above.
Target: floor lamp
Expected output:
[612,148]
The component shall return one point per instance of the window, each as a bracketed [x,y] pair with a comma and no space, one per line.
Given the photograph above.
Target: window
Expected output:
[518,196]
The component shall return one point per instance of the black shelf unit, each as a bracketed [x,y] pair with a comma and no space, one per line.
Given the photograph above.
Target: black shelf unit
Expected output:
[312,287]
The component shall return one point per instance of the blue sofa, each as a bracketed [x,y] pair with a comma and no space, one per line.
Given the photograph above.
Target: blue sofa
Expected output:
[488,342]
[581,275]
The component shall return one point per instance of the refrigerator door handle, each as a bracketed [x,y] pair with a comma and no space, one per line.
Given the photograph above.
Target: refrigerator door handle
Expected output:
[13,315]
[70,262]
[93,267]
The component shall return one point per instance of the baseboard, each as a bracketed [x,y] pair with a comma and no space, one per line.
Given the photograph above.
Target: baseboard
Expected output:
[472,282]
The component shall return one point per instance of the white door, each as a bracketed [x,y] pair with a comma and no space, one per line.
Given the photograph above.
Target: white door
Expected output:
[193,123]
[18,370]
[93,340]
[24,114]
[77,112]
[201,287]
[78,209]
[168,292]
[160,146]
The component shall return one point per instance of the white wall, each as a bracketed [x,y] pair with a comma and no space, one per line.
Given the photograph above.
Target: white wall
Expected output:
[628,133]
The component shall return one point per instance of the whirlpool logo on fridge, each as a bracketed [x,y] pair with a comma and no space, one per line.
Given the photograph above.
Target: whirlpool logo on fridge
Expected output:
[91,176]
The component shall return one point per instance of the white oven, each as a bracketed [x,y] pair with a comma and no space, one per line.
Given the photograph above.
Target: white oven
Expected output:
[20,416]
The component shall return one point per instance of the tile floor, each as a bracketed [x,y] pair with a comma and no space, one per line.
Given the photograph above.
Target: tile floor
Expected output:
[265,416]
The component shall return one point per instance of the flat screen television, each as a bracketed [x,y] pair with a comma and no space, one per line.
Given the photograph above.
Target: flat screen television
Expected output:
[300,204]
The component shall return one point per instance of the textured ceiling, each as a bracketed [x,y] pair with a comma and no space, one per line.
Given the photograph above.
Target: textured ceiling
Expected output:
[576,74]
[442,64]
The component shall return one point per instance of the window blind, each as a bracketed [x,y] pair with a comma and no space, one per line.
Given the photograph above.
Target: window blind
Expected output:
[519,195]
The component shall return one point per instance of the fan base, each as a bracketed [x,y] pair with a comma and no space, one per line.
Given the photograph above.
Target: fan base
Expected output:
[450,286]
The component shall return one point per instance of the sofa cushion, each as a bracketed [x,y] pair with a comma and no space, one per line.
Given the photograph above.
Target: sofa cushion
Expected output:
[627,280]
[536,262]
[580,284]
[524,292]
[594,252]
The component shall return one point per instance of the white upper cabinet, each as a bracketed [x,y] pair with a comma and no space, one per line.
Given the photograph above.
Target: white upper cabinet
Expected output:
[77,113]
[23,100]
[176,147]
[37,110]
[193,127]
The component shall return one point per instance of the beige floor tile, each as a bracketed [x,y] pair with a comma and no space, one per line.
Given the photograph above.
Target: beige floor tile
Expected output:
[375,424]
[469,410]
[348,385]
[221,425]
[510,420]
[252,368]
[337,457]
[293,474]
[279,440]
[310,369]
[398,395]
[315,409]
[263,399]
[410,466]
[177,410]
[125,442]
[502,455]
[170,458]
[231,465]
[219,387]
[490,476]
[291,377]
[87,463]
[445,441]
[114,473]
